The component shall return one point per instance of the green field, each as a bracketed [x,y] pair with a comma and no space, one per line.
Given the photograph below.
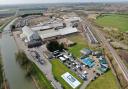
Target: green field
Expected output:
[81,43]
[113,20]
[106,81]
[59,69]
[41,79]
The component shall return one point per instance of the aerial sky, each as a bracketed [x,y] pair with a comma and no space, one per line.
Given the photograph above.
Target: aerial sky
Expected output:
[53,1]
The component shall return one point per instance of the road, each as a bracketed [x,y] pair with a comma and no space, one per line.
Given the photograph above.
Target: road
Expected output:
[114,54]
[116,57]
[46,68]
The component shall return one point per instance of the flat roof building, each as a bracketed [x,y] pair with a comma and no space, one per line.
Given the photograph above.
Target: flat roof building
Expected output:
[72,81]
[72,19]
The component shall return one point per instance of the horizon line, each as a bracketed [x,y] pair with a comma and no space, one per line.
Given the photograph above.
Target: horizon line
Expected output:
[125,2]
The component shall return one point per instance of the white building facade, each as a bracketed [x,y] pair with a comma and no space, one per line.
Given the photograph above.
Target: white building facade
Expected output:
[29,34]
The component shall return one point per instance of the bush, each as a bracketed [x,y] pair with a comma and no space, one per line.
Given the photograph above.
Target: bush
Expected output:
[54,45]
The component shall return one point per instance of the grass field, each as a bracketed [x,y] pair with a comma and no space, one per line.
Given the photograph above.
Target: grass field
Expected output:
[113,20]
[59,69]
[81,43]
[41,79]
[106,81]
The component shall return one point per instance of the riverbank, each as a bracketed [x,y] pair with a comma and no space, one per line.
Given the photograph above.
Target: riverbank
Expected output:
[5,24]
[13,73]
[45,69]
[1,73]
[3,81]
[0,35]
[33,71]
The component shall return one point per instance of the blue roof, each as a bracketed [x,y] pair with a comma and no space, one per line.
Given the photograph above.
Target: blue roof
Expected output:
[89,62]
[102,69]
[102,61]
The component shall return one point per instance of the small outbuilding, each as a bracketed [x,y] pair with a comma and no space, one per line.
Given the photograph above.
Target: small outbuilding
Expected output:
[86,51]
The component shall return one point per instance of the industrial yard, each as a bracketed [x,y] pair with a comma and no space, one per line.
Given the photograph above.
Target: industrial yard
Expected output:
[64,47]
[83,63]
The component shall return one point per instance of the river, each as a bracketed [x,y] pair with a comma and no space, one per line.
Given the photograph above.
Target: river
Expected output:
[13,72]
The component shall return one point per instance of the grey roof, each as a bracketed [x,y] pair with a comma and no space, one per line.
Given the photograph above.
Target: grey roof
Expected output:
[52,32]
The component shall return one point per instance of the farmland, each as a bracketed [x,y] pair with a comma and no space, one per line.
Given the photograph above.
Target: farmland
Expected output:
[113,20]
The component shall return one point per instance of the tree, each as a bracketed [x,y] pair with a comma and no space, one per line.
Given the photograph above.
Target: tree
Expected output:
[13,27]
[54,45]
[61,47]
[25,63]
[51,16]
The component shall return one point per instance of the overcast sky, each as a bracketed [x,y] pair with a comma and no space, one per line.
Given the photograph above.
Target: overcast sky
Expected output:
[53,1]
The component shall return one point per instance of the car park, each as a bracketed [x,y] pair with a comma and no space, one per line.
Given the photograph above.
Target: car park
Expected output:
[41,61]
[83,77]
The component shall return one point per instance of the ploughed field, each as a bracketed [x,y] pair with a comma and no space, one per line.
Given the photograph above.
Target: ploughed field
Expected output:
[113,20]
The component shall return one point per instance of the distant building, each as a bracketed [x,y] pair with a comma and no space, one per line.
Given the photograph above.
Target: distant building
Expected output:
[41,28]
[48,26]
[72,19]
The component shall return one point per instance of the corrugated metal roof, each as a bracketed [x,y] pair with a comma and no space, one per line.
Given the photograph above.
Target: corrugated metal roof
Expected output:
[52,32]
[72,19]
[48,26]
[38,28]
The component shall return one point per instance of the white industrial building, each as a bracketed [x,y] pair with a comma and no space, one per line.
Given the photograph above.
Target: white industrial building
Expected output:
[41,27]
[29,35]
[60,32]
[72,19]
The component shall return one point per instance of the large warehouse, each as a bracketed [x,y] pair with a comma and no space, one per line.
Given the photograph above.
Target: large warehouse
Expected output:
[29,35]
[47,26]
[54,33]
